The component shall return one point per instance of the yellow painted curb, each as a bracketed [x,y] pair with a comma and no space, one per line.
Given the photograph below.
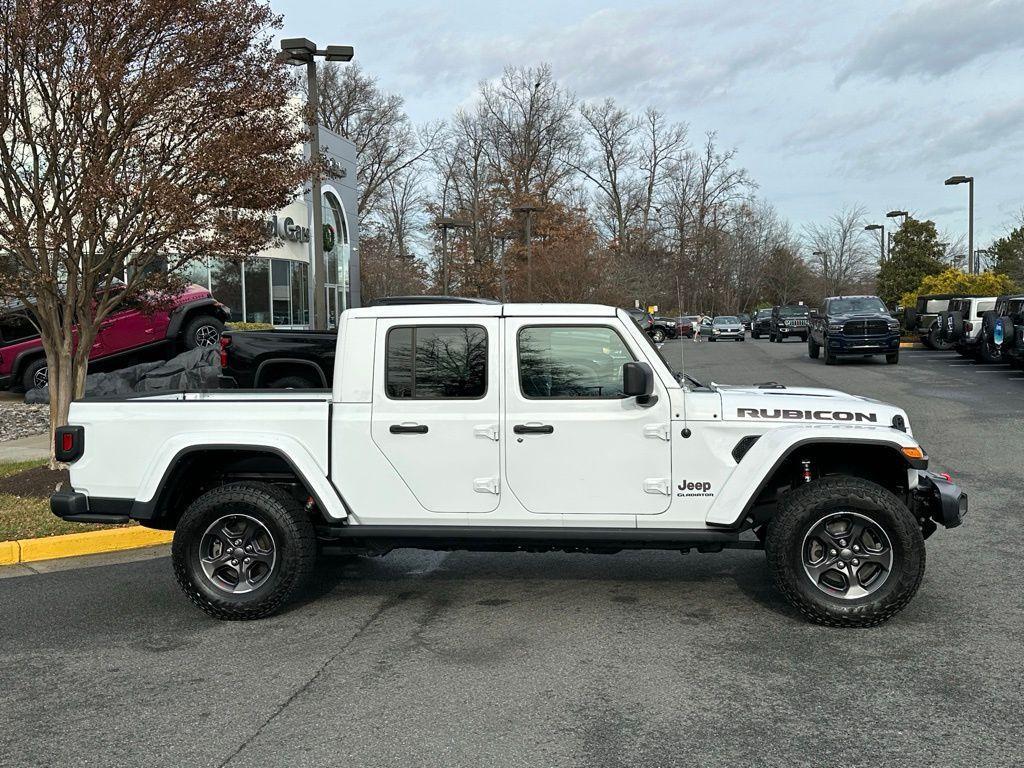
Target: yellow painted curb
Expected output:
[911,345]
[10,552]
[75,544]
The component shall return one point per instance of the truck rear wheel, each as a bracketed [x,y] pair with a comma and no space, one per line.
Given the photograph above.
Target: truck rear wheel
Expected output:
[243,550]
[845,552]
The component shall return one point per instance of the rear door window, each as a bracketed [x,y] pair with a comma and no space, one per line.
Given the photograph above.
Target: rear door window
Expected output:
[436,362]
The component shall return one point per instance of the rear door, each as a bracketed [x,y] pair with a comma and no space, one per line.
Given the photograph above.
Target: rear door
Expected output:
[436,401]
[575,444]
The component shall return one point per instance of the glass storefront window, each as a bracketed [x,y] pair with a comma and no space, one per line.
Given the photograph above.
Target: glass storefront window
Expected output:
[198,273]
[280,291]
[257,291]
[300,292]
[226,285]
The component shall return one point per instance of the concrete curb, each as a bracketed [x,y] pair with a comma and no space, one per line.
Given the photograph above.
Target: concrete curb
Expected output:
[912,345]
[76,544]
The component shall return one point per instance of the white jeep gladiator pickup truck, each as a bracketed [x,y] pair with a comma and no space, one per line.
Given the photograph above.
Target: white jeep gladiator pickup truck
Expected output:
[464,424]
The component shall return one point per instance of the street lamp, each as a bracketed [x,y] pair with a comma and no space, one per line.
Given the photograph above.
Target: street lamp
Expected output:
[969,180]
[444,225]
[529,209]
[297,51]
[902,215]
[504,237]
[881,238]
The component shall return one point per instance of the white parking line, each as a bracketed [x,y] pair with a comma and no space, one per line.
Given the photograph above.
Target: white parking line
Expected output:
[990,371]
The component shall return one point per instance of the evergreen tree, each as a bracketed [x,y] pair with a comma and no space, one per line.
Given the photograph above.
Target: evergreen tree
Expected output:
[915,253]
[1009,255]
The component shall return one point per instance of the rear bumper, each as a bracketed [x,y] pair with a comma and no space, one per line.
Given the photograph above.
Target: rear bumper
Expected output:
[864,345]
[76,507]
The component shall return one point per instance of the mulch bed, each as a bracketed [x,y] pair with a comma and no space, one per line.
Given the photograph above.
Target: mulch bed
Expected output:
[38,482]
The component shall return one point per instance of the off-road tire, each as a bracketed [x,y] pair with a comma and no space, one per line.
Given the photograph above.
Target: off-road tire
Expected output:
[32,370]
[294,540]
[936,341]
[813,348]
[800,509]
[755,335]
[658,336]
[200,330]
[830,356]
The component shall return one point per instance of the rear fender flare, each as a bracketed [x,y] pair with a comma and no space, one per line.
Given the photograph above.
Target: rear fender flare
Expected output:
[294,453]
[760,463]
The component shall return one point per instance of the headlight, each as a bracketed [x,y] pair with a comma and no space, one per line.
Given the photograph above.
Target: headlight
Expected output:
[893,325]
[715,330]
[835,327]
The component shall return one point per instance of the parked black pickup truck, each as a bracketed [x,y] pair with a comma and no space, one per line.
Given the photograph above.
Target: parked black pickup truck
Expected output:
[277,359]
[853,325]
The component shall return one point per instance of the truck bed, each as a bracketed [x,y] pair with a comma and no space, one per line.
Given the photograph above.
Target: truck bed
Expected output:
[135,437]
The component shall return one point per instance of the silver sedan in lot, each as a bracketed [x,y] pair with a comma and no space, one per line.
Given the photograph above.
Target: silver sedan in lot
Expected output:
[727,327]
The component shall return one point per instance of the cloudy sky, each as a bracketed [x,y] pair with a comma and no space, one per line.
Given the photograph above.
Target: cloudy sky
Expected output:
[828,104]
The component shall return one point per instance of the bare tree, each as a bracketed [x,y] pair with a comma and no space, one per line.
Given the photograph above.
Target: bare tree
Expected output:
[841,253]
[530,131]
[133,134]
[352,104]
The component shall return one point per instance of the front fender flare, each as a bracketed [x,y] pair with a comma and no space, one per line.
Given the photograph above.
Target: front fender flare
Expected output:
[774,446]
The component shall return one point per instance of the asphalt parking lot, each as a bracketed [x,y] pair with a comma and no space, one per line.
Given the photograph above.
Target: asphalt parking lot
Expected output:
[637,659]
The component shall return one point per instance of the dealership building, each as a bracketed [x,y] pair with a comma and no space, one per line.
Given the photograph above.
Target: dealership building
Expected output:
[277,286]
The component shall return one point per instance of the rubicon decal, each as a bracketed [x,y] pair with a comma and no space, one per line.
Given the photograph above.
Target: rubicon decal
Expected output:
[795,415]
[698,488]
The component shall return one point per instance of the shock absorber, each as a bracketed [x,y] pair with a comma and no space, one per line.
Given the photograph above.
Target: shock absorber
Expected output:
[805,465]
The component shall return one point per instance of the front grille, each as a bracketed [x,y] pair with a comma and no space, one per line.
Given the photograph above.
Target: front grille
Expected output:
[866,328]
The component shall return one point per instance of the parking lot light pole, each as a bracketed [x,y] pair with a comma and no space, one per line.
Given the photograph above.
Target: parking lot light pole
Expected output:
[504,237]
[444,225]
[902,215]
[972,268]
[529,209]
[881,239]
[299,51]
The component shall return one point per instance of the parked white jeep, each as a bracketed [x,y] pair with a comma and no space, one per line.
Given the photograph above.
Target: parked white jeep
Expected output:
[473,425]
[961,323]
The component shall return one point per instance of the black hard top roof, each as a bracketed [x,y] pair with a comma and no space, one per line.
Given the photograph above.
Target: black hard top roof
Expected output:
[394,301]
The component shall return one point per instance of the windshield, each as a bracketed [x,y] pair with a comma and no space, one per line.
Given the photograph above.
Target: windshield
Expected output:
[763,313]
[726,320]
[856,304]
[792,311]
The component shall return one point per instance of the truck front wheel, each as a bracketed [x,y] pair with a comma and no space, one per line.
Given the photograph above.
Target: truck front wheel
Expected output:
[845,552]
[243,550]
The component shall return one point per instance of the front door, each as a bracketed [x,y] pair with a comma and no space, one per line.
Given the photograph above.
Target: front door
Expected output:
[575,445]
[435,409]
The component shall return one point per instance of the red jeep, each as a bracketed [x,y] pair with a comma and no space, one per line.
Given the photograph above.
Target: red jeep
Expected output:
[133,333]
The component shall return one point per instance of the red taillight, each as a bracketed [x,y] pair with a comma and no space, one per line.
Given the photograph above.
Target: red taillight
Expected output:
[224,342]
[67,442]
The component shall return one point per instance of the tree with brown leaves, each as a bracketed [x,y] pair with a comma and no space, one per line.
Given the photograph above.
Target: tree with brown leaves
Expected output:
[134,134]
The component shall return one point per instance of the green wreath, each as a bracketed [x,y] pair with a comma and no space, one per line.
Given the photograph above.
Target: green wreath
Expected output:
[329,237]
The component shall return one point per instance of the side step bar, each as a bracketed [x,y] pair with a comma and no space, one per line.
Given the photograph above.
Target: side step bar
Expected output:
[537,539]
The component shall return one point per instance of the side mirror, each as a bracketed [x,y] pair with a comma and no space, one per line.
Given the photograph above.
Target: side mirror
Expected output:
[637,381]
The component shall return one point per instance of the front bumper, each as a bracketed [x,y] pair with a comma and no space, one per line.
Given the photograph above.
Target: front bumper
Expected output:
[76,507]
[864,345]
[6,381]
[728,335]
[940,499]
[793,330]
